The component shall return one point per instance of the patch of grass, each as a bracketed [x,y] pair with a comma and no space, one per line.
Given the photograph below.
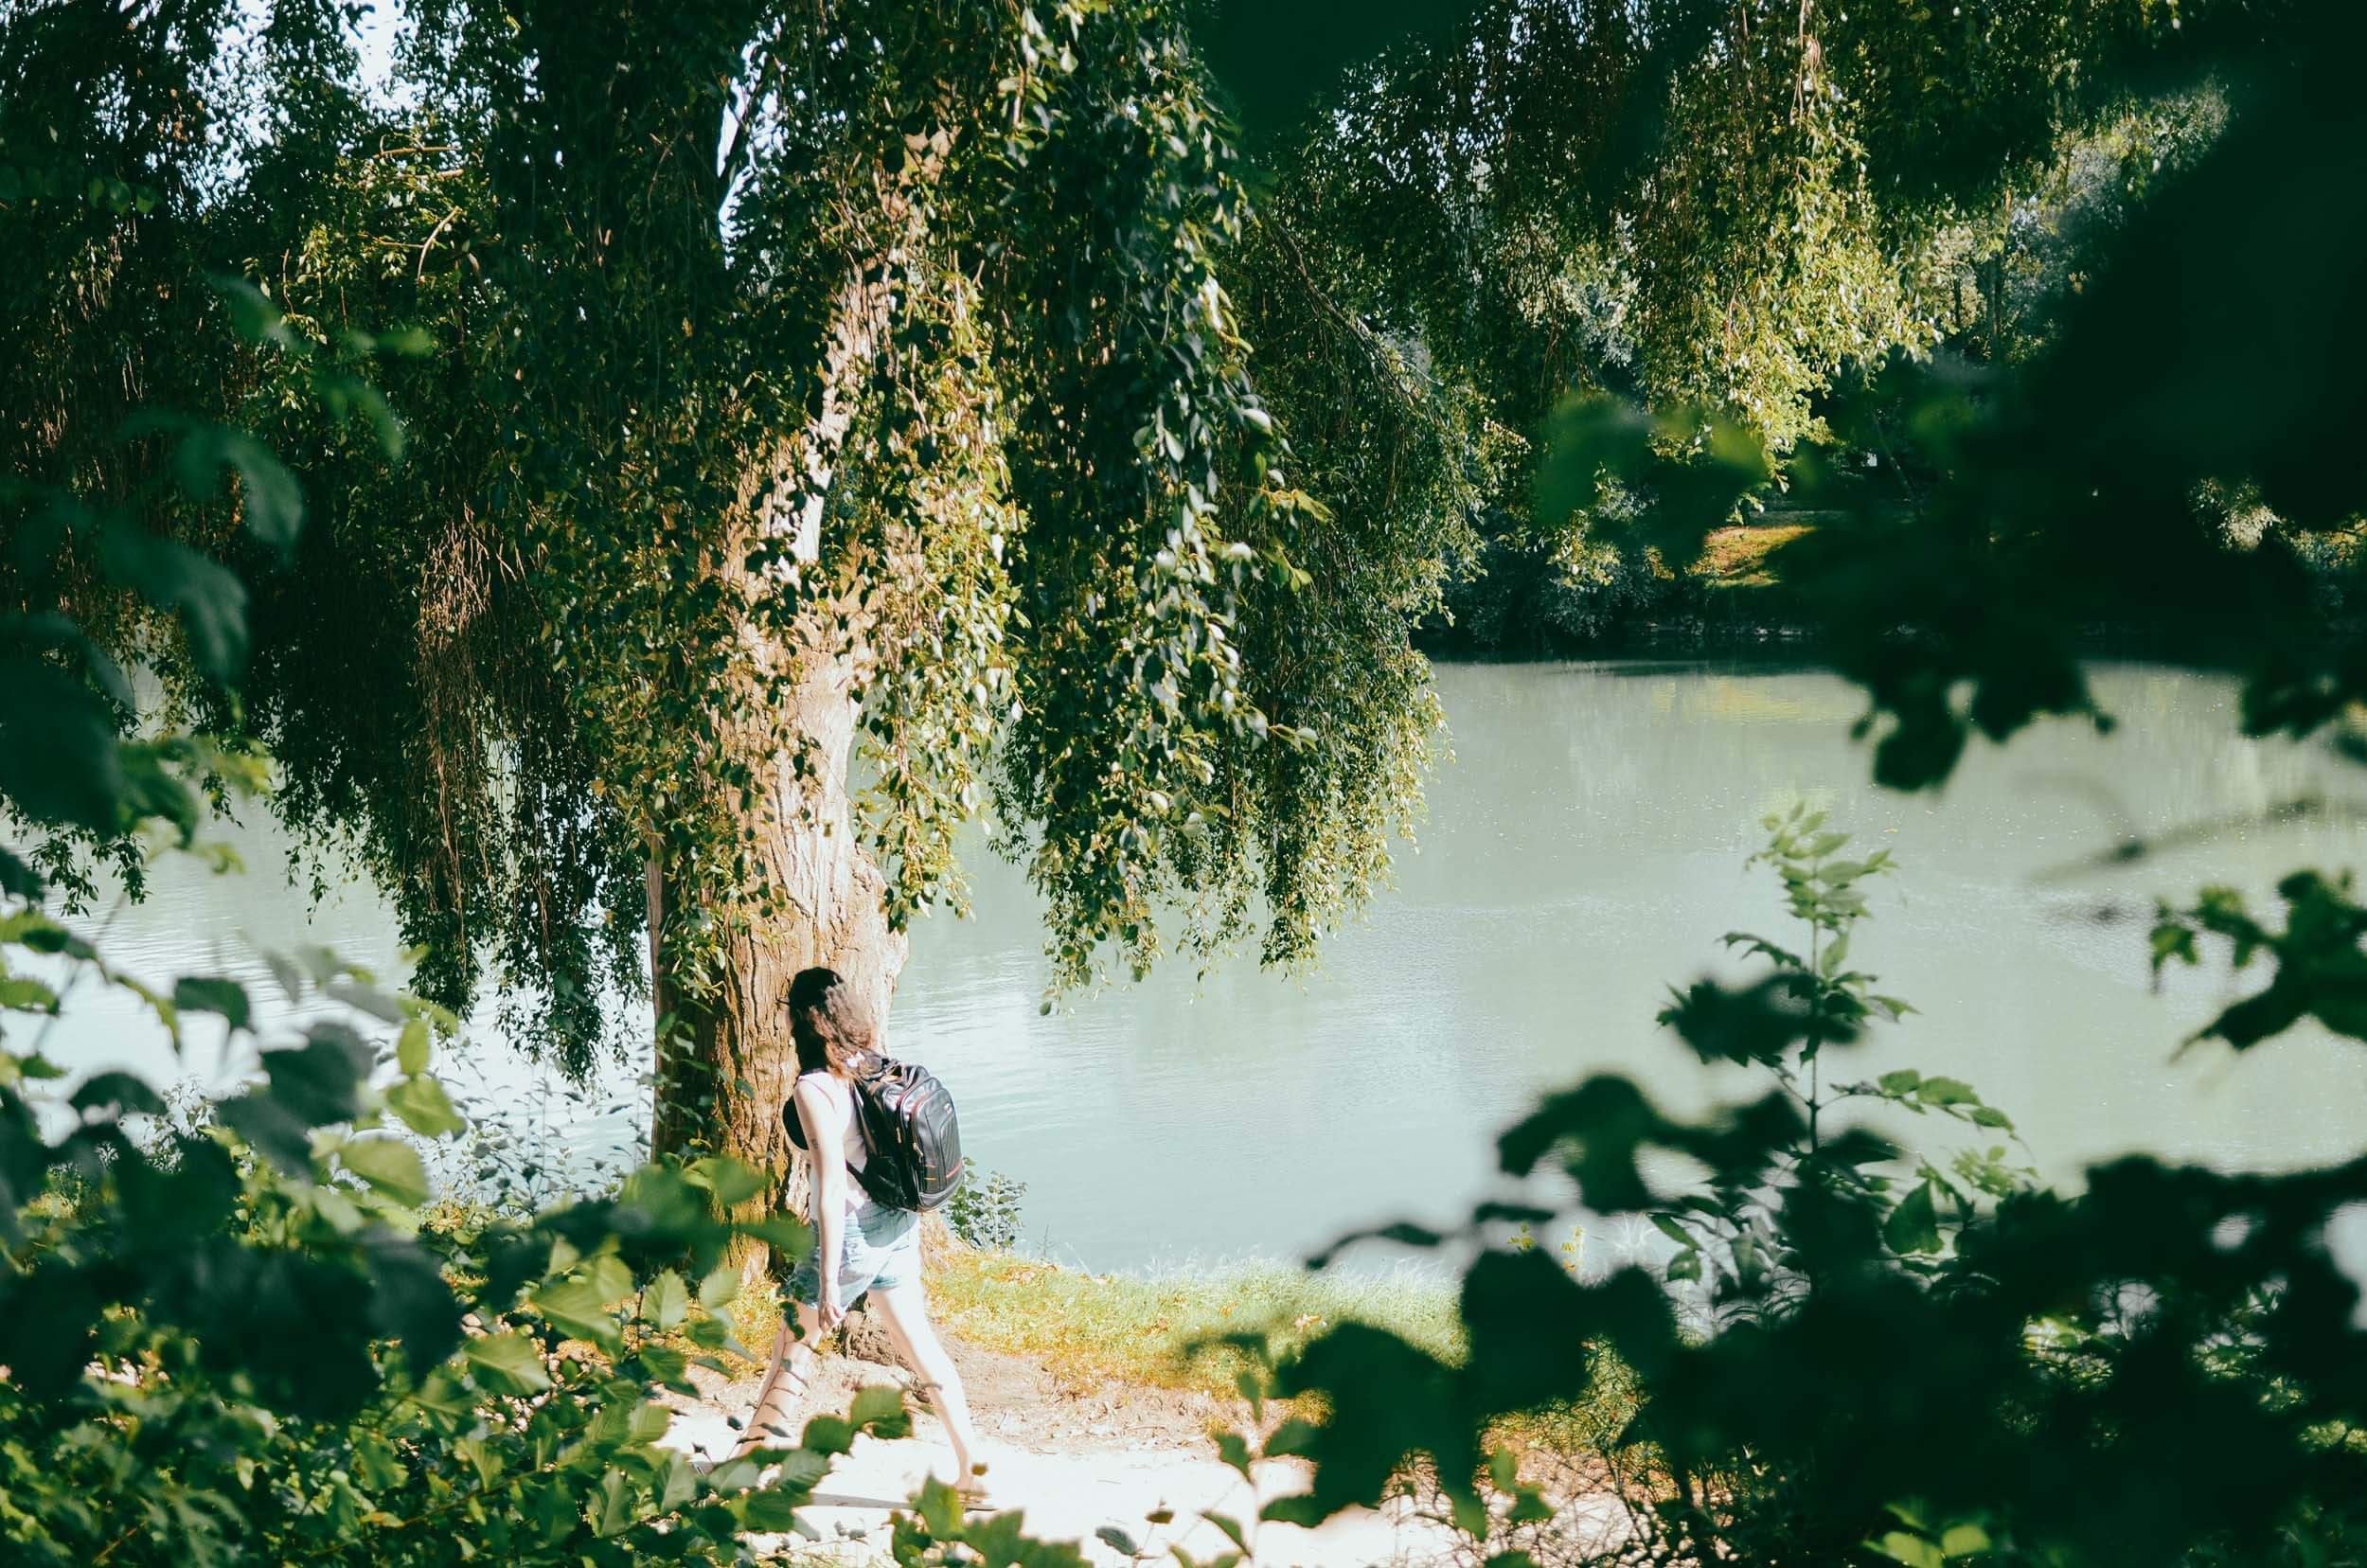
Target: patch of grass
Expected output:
[1169,1330]
[757,1315]
[1157,1330]
[1736,557]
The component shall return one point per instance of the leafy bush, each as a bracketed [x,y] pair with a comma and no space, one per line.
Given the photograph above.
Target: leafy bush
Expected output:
[1884,1355]
[1532,594]
[985,1213]
[237,1340]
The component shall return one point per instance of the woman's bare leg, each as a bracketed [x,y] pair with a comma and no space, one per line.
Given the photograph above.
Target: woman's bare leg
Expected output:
[905,1314]
[784,1381]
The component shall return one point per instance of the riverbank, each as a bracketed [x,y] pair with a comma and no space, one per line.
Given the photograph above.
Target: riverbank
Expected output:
[1183,1333]
[1176,1332]
[1534,602]
[1100,1401]
[1171,1331]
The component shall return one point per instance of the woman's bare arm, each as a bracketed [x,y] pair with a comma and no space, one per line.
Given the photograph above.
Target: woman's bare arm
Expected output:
[826,1143]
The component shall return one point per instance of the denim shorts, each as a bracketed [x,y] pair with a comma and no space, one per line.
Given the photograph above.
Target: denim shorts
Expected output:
[879,1247]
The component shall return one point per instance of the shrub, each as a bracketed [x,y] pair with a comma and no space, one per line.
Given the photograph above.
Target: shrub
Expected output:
[985,1212]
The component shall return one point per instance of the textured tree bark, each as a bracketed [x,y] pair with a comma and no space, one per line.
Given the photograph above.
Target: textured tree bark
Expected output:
[725,1069]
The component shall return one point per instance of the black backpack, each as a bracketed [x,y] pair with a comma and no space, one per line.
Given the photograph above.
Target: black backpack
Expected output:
[911,1143]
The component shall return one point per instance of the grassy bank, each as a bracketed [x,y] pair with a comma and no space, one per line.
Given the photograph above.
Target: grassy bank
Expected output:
[1165,1330]
[1172,1330]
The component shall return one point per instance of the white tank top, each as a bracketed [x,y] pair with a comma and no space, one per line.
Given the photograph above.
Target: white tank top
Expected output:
[836,1093]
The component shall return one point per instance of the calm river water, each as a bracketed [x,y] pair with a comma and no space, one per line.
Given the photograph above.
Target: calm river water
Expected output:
[1584,851]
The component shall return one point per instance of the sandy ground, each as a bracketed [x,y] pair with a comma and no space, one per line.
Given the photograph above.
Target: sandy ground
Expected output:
[1082,1467]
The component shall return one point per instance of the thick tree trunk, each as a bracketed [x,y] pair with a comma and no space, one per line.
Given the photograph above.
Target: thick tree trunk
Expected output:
[724,1071]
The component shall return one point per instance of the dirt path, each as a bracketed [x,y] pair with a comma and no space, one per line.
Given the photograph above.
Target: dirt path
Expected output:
[1082,1466]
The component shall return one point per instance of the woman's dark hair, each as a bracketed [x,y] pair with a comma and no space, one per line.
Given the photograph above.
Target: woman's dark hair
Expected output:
[832,1025]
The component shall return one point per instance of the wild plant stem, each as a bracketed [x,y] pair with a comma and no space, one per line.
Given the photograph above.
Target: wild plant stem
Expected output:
[1816,1010]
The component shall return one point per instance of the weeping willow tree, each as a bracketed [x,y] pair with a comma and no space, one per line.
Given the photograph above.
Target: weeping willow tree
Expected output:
[820,426]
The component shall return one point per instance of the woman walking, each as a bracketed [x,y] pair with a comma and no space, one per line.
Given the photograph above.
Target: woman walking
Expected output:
[862,1246]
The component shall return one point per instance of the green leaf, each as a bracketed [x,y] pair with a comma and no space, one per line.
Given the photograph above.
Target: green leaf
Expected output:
[207,596]
[1947,1091]
[364,997]
[768,1511]
[663,1362]
[18,880]
[271,1129]
[940,1509]
[576,1308]
[650,1421]
[444,1394]
[828,1434]
[271,506]
[733,1182]
[423,1106]
[677,1482]
[615,1513]
[1964,1541]
[411,1047]
[507,1364]
[609,1277]
[31,928]
[880,1408]
[58,760]
[667,1301]
[792,1236]
[1912,1550]
[23,995]
[1914,1225]
[252,314]
[287,972]
[390,1164]
[119,1091]
[227,997]
[320,1081]
[374,1463]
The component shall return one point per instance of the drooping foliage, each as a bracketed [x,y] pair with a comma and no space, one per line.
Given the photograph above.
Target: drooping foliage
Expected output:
[2093,479]
[880,353]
